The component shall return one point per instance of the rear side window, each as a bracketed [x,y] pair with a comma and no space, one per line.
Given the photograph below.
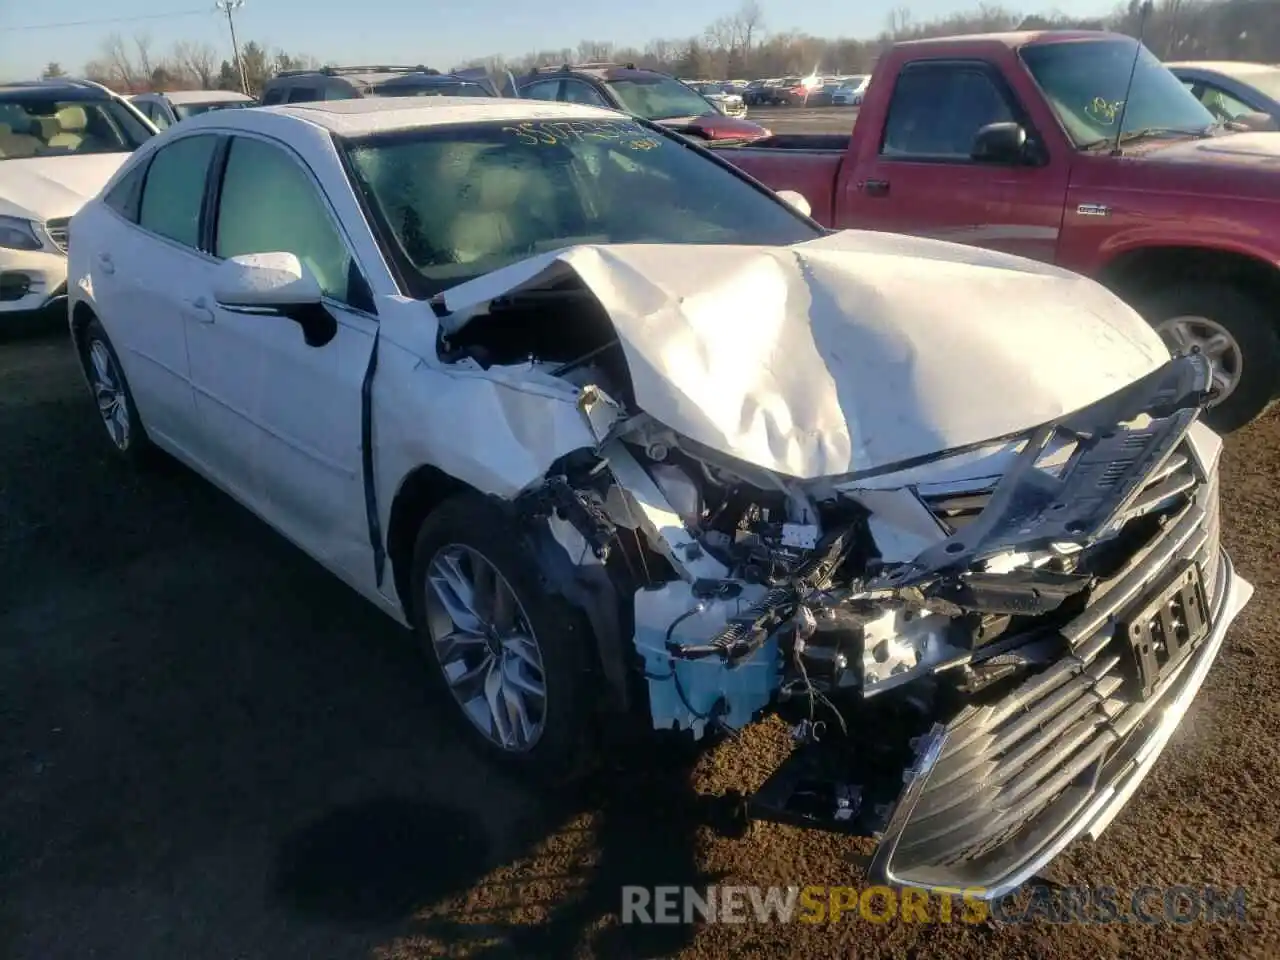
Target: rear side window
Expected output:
[303,95]
[541,90]
[273,96]
[125,198]
[937,109]
[174,190]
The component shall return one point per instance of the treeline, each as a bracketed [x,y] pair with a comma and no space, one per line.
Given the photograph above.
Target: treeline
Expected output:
[135,66]
[741,45]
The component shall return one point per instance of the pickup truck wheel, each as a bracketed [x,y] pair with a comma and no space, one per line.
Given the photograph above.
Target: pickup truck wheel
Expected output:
[510,656]
[111,393]
[1232,328]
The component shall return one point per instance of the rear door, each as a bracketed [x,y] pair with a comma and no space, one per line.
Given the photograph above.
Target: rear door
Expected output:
[147,269]
[918,176]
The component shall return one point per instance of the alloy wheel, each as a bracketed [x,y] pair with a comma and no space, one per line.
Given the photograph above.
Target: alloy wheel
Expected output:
[486,647]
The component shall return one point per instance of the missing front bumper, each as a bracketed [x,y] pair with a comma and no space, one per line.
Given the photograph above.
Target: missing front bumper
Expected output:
[913,854]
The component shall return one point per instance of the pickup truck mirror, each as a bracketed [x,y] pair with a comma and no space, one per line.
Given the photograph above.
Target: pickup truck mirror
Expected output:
[1004,142]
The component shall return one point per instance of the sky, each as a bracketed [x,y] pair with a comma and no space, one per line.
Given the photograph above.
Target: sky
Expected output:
[410,31]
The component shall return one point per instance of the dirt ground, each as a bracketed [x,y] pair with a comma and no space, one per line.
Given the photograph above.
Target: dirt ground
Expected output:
[210,748]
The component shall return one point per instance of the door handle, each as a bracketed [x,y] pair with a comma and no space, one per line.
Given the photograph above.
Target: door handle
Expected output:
[874,188]
[200,310]
[107,264]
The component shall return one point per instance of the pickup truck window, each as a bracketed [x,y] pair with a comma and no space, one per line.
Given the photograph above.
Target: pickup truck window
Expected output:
[1086,81]
[455,203]
[938,108]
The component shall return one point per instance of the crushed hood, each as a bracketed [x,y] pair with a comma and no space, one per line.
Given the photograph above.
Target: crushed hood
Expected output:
[848,353]
[39,188]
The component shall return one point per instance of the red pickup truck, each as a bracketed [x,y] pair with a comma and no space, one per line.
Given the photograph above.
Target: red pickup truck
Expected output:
[1023,142]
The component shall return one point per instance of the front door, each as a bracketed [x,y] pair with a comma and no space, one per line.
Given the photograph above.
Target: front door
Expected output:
[287,416]
[920,178]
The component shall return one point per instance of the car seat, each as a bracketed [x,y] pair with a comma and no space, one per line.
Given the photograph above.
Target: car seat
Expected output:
[73,122]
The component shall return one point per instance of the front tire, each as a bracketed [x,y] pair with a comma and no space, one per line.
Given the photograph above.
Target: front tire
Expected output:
[1237,333]
[511,656]
[118,412]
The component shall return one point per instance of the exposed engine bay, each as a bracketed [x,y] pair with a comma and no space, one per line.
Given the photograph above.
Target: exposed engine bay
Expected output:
[882,610]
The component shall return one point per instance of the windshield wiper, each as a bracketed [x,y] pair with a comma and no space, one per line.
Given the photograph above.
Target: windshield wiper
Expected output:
[1149,133]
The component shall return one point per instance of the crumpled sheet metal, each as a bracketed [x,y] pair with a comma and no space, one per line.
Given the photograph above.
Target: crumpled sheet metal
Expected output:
[850,353]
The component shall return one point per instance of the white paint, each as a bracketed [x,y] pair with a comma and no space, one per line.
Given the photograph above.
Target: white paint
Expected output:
[265,280]
[40,188]
[848,353]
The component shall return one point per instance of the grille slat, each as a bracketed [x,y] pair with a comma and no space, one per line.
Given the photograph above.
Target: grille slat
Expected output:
[59,231]
[1008,768]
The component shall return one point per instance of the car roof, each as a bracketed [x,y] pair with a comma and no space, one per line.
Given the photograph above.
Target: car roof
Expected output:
[368,115]
[1232,68]
[205,96]
[59,89]
[1014,38]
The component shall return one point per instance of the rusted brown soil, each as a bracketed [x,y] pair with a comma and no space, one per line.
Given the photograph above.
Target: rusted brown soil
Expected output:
[210,749]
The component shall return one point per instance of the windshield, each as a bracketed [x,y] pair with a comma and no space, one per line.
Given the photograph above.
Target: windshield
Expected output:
[707,89]
[461,201]
[185,110]
[1085,83]
[656,97]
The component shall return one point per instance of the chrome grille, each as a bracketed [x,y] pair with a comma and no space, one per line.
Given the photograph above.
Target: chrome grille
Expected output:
[59,231]
[1012,770]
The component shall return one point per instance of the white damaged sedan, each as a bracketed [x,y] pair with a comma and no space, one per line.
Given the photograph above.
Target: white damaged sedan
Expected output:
[618,432]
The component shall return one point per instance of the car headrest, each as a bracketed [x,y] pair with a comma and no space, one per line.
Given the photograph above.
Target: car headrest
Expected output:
[72,119]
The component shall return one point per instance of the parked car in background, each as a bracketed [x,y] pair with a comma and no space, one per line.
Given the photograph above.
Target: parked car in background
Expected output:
[781,93]
[346,83]
[620,435]
[60,142]
[730,104]
[1009,141]
[641,93]
[756,93]
[166,109]
[1234,92]
[850,92]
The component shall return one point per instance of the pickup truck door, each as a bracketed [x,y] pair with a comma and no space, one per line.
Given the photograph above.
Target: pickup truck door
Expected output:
[915,174]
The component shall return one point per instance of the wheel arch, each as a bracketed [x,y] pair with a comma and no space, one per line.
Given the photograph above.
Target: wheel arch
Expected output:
[1138,271]
[588,589]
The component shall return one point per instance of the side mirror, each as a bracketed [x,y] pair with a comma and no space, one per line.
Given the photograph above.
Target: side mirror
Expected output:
[796,201]
[1004,142]
[275,284]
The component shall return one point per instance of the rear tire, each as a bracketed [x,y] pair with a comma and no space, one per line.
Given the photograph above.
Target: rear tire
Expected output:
[518,638]
[1217,315]
[111,394]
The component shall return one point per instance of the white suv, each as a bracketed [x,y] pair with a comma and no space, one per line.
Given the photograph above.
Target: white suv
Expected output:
[60,141]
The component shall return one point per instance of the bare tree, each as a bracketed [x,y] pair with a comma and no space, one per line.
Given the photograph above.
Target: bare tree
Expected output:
[197,60]
[750,24]
[129,65]
[899,22]
[52,69]
[589,50]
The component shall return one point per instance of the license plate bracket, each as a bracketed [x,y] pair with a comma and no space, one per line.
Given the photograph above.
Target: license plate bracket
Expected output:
[1160,634]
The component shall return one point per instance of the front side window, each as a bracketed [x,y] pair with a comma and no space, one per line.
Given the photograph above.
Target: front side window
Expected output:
[174,190]
[41,126]
[1087,82]
[937,109]
[541,90]
[657,97]
[303,95]
[459,202]
[1222,104]
[575,91]
[270,204]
